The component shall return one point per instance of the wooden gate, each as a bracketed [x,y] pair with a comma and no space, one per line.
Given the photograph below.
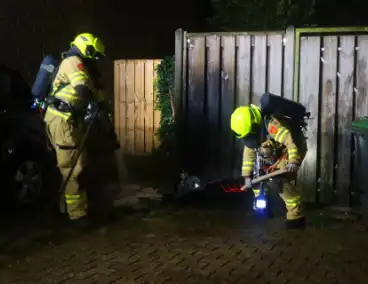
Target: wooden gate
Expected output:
[331,80]
[136,120]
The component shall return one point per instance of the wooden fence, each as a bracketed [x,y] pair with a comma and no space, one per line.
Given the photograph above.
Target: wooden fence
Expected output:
[324,69]
[136,119]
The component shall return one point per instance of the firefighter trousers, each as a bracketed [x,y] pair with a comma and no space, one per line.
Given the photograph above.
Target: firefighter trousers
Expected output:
[66,136]
[289,193]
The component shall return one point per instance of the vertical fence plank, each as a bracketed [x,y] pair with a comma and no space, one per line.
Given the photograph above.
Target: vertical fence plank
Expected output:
[242,88]
[308,96]
[328,113]
[259,67]
[213,103]
[288,92]
[179,38]
[345,112]
[117,99]
[184,96]
[130,105]
[243,62]
[123,138]
[184,99]
[361,110]
[227,104]
[180,72]
[148,92]
[156,113]
[196,102]
[361,103]
[275,64]
[139,106]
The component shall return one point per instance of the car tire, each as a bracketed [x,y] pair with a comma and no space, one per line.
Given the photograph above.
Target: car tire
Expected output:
[28,177]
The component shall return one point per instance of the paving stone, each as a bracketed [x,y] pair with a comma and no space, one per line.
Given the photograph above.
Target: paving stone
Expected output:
[173,246]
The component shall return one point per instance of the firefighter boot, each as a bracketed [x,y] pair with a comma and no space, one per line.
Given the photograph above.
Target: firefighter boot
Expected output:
[299,223]
[82,224]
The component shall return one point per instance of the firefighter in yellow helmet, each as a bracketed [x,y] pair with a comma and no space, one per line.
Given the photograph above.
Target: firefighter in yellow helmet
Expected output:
[265,132]
[72,89]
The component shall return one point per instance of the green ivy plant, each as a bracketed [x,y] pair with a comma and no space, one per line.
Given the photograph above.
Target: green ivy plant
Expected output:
[168,152]
[164,86]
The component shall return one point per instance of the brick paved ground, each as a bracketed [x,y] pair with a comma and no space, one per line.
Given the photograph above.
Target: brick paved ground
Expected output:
[191,244]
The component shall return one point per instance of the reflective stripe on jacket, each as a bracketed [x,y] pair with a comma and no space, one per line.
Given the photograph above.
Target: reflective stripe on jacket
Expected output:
[72,73]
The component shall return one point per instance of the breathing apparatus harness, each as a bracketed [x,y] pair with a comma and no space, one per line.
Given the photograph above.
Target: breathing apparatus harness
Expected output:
[61,105]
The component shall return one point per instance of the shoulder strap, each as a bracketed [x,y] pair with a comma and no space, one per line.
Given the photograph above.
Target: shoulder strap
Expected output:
[63,56]
[264,132]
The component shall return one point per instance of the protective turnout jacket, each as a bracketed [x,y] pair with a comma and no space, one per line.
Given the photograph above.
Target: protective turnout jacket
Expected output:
[279,133]
[70,78]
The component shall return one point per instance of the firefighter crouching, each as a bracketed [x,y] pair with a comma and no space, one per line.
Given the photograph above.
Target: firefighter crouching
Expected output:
[72,90]
[259,132]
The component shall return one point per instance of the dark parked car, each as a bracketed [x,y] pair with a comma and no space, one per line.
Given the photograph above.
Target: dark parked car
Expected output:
[25,160]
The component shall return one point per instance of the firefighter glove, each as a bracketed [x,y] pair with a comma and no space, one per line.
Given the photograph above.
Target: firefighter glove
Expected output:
[292,167]
[247,183]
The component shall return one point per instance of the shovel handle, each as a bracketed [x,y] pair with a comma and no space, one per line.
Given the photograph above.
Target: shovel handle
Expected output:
[268,176]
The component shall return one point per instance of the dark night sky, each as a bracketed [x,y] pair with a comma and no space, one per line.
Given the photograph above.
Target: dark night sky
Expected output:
[342,13]
[149,26]
[130,29]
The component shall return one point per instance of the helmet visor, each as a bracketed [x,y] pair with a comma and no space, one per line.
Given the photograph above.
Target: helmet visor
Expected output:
[99,48]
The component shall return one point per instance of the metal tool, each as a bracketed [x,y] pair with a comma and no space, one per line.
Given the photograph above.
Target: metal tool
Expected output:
[193,183]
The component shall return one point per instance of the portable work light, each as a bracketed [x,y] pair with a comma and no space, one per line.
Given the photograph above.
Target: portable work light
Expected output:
[260,203]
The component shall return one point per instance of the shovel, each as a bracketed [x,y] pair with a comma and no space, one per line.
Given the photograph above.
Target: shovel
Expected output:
[269,176]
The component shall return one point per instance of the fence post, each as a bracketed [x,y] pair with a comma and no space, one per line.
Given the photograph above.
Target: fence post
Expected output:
[179,41]
[179,93]
[289,40]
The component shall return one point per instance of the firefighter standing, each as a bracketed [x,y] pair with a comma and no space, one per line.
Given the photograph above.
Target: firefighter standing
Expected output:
[73,89]
[262,132]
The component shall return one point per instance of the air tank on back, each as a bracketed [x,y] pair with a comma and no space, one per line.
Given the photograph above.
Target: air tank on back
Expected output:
[44,77]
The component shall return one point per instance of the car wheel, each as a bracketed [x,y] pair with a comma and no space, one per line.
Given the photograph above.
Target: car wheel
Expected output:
[28,182]
[28,177]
